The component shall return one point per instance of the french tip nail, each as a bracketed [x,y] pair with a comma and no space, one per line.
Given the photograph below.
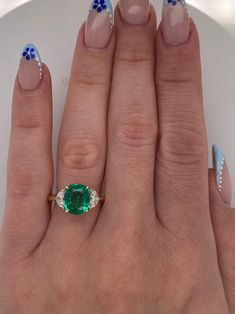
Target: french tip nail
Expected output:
[223,180]
[135,11]
[30,68]
[99,24]
[175,21]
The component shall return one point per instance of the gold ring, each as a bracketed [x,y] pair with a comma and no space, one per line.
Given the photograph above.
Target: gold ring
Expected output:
[76,199]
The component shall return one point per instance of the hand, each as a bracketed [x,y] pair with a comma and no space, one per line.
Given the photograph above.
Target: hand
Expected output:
[151,247]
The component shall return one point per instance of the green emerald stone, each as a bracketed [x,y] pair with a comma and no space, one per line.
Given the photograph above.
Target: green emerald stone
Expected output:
[77,199]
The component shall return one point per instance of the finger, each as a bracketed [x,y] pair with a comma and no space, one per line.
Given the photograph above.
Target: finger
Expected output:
[30,166]
[181,170]
[82,143]
[223,220]
[132,117]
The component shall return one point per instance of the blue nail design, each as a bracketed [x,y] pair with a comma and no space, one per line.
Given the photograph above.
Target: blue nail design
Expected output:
[30,52]
[174,2]
[218,161]
[102,5]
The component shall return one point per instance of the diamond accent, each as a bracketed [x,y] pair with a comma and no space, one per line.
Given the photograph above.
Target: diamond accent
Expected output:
[60,199]
[94,199]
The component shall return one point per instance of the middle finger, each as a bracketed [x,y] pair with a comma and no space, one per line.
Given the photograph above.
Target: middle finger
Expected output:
[133,115]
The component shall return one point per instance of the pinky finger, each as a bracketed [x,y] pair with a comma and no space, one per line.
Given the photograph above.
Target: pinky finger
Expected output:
[223,220]
[30,167]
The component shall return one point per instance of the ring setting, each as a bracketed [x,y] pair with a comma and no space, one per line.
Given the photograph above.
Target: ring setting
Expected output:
[77,199]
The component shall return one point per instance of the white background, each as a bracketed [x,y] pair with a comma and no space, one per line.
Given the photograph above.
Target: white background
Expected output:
[53,24]
[223,11]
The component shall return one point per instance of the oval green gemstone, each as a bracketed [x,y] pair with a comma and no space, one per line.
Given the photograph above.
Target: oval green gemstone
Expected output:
[77,199]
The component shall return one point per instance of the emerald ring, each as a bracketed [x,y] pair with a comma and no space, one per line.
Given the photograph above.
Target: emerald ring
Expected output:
[77,199]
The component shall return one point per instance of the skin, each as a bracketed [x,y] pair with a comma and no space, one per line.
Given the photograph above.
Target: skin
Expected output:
[152,247]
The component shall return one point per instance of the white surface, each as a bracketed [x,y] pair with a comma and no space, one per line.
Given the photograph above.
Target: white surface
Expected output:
[221,11]
[8,5]
[53,24]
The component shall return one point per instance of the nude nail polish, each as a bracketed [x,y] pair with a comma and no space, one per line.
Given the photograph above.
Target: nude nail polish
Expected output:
[135,11]
[223,180]
[30,69]
[99,24]
[175,22]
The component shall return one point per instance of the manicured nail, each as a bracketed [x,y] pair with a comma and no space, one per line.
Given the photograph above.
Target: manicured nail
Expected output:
[135,11]
[222,175]
[30,69]
[175,21]
[99,24]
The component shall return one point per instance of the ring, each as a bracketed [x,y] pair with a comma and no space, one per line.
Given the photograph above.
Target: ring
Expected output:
[76,199]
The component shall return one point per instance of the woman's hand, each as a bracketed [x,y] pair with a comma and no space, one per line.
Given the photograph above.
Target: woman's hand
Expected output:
[151,247]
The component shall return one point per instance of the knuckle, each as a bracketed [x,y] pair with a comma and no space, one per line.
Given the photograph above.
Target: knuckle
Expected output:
[90,78]
[179,64]
[80,153]
[135,132]
[132,58]
[135,55]
[176,76]
[185,145]
[28,120]
[21,180]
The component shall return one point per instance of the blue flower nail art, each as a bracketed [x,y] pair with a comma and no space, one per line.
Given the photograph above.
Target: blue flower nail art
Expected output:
[219,161]
[99,5]
[174,2]
[102,5]
[29,53]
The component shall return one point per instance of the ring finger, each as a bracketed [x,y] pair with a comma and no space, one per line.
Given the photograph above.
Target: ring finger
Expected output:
[82,143]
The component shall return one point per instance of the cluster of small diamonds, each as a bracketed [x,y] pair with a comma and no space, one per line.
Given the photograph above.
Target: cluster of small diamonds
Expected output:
[94,199]
[60,198]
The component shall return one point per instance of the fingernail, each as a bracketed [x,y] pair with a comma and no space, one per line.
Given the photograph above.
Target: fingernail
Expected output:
[99,24]
[135,11]
[30,69]
[175,21]
[222,175]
